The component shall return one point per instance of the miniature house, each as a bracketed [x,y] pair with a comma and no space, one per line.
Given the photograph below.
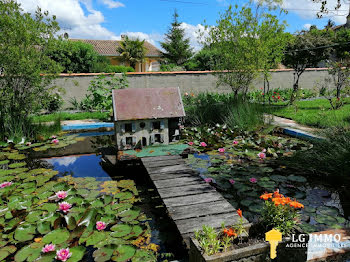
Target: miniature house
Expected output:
[146,116]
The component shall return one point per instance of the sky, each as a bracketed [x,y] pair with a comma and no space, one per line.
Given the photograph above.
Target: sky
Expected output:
[150,19]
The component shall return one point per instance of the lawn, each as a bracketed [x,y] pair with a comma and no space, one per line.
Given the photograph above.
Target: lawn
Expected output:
[72,116]
[316,113]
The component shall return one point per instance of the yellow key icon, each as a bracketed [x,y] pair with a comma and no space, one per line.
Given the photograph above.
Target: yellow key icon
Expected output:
[273,237]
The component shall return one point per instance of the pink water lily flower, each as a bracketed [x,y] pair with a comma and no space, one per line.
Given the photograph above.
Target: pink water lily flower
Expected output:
[262,155]
[61,194]
[55,141]
[53,137]
[100,225]
[48,248]
[63,254]
[5,184]
[208,180]
[253,180]
[232,182]
[221,150]
[28,143]
[235,142]
[190,143]
[64,206]
[203,144]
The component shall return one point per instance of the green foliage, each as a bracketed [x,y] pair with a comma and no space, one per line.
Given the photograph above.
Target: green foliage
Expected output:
[171,68]
[211,108]
[71,116]
[177,47]
[247,43]
[132,50]
[278,95]
[329,157]
[99,95]
[304,51]
[74,56]
[118,69]
[23,90]
[205,59]
[281,217]
[208,240]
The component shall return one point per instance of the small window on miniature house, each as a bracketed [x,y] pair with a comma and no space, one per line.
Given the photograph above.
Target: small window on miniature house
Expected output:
[129,140]
[157,138]
[142,125]
[156,125]
[128,128]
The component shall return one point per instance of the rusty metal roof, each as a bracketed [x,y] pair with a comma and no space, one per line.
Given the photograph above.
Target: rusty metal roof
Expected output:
[147,103]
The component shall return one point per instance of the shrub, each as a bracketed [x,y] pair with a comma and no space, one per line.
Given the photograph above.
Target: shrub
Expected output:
[171,68]
[118,69]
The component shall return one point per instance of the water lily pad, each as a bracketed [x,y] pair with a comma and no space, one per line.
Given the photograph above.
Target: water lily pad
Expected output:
[25,232]
[299,179]
[96,237]
[121,230]
[256,208]
[340,220]
[246,202]
[57,236]
[330,211]
[124,195]
[308,228]
[16,165]
[278,178]
[325,219]
[143,256]
[29,253]
[103,254]
[6,251]
[4,162]
[123,253]
[129,215]
[77,254]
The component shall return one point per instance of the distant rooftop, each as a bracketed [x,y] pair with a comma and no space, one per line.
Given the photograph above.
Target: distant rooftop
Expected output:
[109,47]
[147,103]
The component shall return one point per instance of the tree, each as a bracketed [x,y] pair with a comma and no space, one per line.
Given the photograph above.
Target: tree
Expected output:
[244,41]
[132,51]
[205,59]
[307,49]
[74,57]
[24,40]
[177,47]
[330,24]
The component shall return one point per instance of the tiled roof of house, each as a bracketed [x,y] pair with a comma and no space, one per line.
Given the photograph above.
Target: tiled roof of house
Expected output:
[109,47]
[147,103]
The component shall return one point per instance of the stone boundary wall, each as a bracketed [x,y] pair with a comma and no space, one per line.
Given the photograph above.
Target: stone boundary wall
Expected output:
[76,85]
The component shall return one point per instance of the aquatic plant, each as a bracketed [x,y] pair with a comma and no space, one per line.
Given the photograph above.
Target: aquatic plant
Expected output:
[280,212]
[93,220]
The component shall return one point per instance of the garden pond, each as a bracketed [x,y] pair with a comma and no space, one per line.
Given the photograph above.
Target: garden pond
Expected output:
[135,223]
[249,165]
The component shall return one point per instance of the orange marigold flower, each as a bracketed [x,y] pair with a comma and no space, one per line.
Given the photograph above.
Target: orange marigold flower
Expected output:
[266,196]
[239,212]
[296,204]
[277,194]
[277,200]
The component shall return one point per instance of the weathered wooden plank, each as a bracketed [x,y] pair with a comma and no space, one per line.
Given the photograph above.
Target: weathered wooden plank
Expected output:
[202,209]
[160,158]
[192,224]
[166,176]
[164,163]
[178,181]
[192,199]
[112,159]
[185,190]
[168,169]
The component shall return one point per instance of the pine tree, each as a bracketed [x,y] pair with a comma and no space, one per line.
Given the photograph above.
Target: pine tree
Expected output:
[177,47]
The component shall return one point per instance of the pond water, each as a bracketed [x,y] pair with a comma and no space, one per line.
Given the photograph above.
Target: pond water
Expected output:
[92,165]
[325,206]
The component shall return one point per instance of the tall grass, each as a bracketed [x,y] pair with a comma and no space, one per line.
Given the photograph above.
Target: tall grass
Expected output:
[212,108]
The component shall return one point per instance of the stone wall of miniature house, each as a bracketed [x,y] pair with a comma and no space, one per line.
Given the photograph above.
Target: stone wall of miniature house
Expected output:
[76,85]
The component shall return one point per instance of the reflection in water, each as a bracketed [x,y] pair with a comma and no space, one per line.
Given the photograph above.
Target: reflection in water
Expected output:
[80,166]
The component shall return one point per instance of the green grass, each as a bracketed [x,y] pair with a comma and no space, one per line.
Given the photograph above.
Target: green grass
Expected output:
[72,116]
[317,113]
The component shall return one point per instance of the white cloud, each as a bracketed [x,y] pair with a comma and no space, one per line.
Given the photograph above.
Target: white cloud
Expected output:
[307,26]
[308,10]
[153,38]
[193,32]
[72,18]
[112,4]
[62,161]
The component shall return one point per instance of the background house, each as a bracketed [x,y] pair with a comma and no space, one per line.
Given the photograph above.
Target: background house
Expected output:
[146,116]
[108,48]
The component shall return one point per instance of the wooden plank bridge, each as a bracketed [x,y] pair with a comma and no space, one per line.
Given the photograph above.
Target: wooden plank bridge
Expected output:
[190,202]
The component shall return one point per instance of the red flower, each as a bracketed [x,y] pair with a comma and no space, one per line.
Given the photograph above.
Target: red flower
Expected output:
[239,212]
[279,97]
